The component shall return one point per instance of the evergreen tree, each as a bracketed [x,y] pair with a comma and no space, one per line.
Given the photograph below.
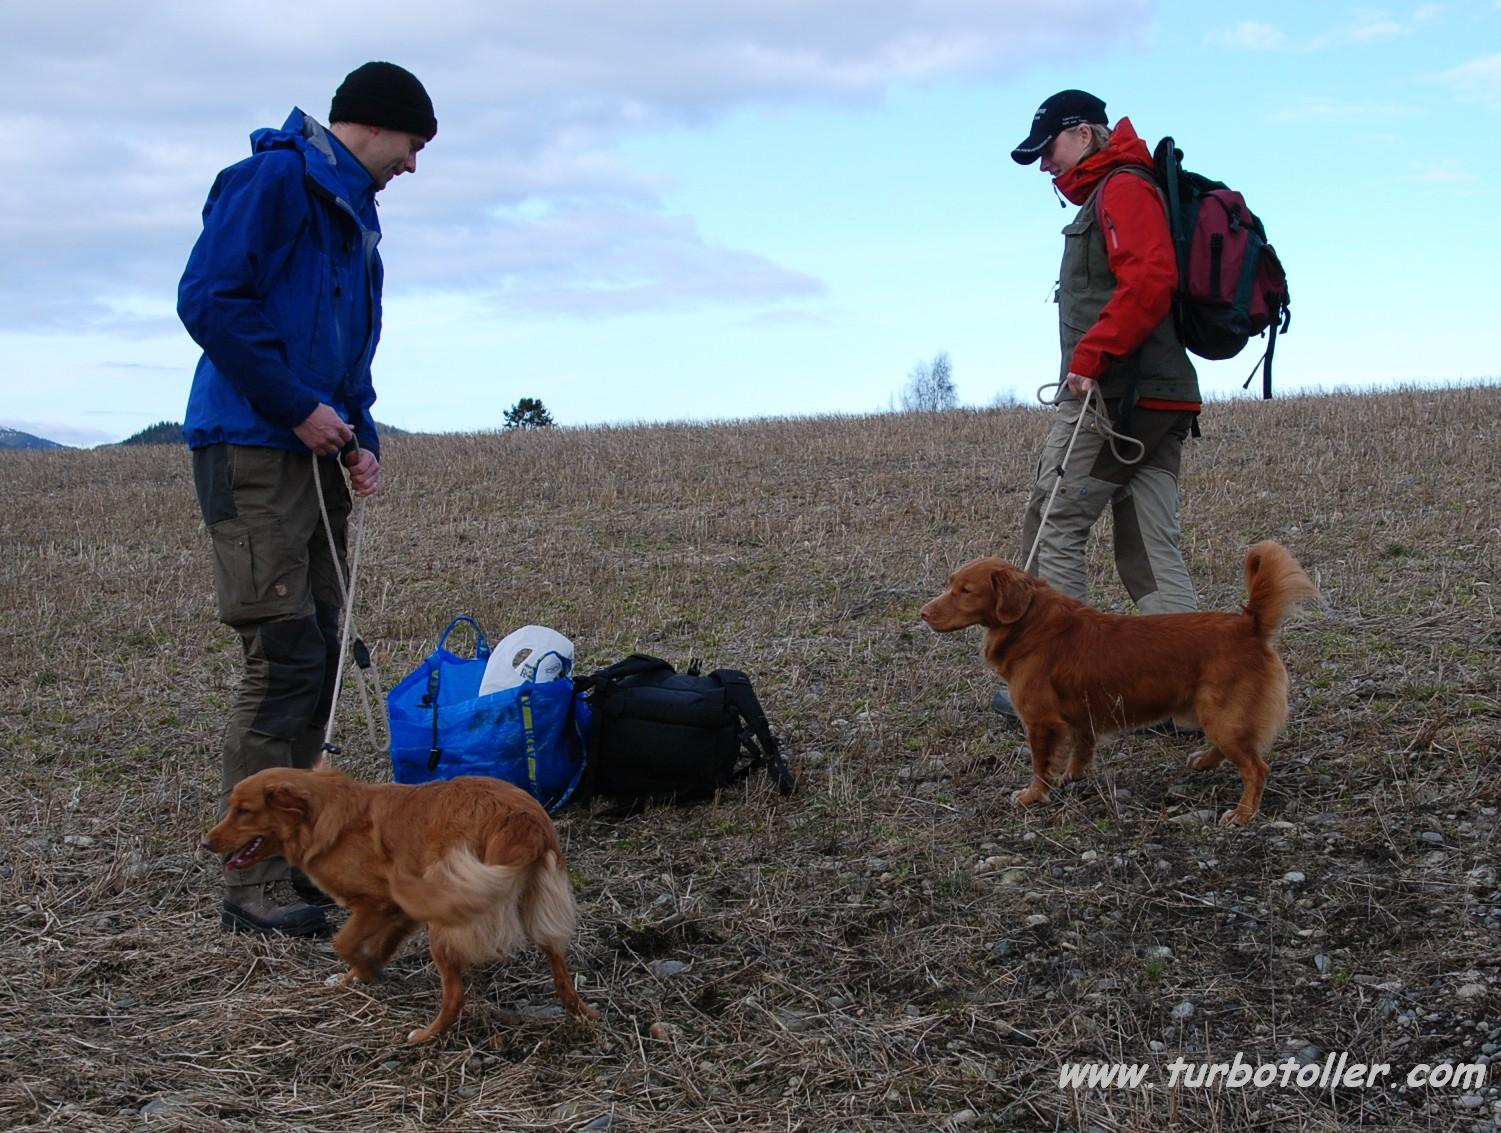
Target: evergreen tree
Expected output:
[529,413]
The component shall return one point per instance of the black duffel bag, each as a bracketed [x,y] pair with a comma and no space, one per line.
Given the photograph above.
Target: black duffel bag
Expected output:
[659,734]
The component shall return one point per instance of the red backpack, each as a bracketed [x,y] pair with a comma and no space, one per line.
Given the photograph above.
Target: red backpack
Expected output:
[1230,282]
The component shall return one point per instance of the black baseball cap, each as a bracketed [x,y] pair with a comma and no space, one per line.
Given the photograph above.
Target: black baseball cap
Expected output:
[1066,108]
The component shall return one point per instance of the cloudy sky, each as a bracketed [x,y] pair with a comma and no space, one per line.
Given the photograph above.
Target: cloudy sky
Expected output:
[673,209]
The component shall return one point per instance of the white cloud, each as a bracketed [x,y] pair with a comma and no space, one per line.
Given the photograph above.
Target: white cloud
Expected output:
[1326,109]
[1478,80]
[1446,172]
[124,114]
[1250,36]
[1365,26]
[596,258]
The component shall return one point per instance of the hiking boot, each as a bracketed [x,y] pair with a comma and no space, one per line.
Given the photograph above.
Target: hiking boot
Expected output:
[260,909]
[1001,702]
[306,888]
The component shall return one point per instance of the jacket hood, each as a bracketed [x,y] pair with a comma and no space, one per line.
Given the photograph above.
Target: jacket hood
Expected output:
[291,135]
[322,152]
[1125,148]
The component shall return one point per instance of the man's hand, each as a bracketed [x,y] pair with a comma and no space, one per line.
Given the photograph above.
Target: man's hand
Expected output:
[1080,385]
[364,471]
[324,431]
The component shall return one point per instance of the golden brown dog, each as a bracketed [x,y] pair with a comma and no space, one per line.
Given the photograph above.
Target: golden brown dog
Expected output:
[478,860]
[1075,673]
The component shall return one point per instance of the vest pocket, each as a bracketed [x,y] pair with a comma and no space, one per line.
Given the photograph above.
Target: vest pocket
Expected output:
[257,575]
[1074,273]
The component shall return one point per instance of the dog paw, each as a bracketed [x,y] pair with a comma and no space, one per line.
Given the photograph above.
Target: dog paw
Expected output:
[1028,796]
[420,1035]
[343,979]
[1234,817]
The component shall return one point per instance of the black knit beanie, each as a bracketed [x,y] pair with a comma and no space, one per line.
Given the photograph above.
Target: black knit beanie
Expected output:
[383,94]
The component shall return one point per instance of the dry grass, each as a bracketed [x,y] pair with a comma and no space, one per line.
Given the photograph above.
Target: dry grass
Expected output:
[859,957]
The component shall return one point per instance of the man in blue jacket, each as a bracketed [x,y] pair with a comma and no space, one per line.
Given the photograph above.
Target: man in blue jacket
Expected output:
[283,293]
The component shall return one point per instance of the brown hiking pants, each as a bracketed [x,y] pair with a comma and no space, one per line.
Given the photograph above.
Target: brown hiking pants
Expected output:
[275,581]
[1143,497]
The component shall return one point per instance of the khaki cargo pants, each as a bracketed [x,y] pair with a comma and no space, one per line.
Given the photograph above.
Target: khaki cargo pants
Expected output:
[275,583]
[1143,497]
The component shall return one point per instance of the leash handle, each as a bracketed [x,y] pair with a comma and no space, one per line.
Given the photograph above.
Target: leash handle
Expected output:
[1042,521]
[346,592]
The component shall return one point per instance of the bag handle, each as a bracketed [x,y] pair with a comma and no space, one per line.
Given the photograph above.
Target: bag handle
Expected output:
[435,678]
[632,666]
[742,697]
[536,663]
[481,645]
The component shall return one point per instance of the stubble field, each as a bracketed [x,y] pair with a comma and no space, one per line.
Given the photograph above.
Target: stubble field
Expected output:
[894,948]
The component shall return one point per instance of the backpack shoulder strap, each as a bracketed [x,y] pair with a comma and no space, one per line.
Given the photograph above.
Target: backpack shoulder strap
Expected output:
[1143,171]
[742,697]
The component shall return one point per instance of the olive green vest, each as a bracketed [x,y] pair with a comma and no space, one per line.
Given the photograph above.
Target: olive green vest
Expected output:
[1160,368]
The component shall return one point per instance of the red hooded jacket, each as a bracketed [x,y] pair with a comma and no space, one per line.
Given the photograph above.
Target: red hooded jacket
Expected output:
[1140,248]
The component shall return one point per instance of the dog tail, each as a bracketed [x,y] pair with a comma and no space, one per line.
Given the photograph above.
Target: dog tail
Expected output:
[548,912]
[1276,583]
[458,888]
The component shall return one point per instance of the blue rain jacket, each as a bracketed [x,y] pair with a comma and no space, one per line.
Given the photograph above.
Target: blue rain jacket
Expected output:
[282,291]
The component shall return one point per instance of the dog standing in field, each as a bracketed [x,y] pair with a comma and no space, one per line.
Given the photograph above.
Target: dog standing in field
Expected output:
[1076,673]
[478,860]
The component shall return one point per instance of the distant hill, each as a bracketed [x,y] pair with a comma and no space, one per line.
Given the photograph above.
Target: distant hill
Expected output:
[162,433]
[14,438]
[170,433]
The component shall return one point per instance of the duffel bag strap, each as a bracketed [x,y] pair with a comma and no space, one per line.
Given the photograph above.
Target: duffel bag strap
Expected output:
[742,697]
[430,699]
[529,728]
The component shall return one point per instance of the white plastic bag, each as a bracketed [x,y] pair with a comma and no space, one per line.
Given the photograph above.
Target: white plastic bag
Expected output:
[531,653]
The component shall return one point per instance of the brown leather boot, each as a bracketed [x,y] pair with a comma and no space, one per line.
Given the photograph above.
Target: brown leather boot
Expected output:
[306,888]
[260,909]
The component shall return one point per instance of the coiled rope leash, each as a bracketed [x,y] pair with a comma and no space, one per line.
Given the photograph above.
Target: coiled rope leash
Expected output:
[1101,423]
[363,661]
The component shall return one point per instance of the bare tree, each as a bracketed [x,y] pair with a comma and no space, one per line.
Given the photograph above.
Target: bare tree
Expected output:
[930,386]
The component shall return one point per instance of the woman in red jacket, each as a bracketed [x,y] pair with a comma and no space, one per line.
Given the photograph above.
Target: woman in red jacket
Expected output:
[1115,292]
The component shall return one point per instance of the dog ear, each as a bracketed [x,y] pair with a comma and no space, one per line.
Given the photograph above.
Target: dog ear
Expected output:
[292,800]
[1013,593]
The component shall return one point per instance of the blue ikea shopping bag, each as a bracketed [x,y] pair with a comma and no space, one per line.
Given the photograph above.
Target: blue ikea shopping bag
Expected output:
[532,735]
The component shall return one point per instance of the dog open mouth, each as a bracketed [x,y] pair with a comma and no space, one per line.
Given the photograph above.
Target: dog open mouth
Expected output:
[246,853]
